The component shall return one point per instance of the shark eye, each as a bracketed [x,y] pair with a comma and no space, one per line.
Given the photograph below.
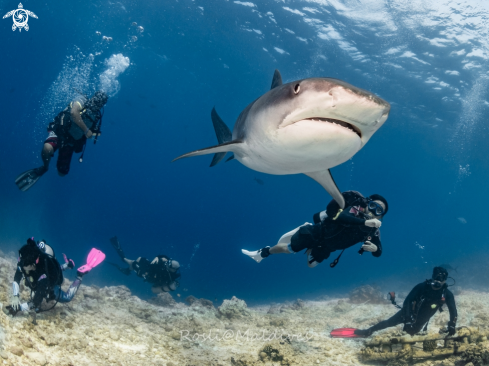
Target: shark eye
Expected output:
[297,88]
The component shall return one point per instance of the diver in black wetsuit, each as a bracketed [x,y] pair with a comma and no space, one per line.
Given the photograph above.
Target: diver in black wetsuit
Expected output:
[162,272]
[335,229]
[420,305]
[43,275]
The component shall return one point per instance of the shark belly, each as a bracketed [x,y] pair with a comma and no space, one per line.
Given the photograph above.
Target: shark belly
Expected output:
[304,147]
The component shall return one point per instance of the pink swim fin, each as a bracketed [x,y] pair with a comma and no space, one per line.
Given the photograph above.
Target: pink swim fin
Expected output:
[345,333]
[95,257]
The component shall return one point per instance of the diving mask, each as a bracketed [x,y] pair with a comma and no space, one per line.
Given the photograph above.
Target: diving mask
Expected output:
[375,208]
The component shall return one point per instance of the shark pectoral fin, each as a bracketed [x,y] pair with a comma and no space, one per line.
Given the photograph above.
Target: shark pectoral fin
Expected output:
[222,148]
[217,158]
[326,180]
[277,79]
[223,134]
[230,158]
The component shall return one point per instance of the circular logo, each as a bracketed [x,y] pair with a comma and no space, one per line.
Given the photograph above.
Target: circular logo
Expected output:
[20,18]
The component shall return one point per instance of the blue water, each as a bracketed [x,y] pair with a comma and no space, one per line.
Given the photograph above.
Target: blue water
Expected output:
[429,159]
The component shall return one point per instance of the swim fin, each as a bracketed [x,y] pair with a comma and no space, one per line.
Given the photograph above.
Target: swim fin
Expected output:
[95,257]
[345,333]
[27,179]
[126,271]
[256,255]
[115,243]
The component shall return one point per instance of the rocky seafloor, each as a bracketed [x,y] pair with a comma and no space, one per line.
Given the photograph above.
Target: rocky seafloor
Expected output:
[109,326]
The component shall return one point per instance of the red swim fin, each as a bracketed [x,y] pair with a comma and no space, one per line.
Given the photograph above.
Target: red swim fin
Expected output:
[345,333]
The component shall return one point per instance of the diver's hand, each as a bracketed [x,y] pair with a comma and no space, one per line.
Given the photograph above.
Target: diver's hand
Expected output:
[451,328]
[373,223]
[408,328]
[369,247]
[15,303]
[89,134]
[155,260]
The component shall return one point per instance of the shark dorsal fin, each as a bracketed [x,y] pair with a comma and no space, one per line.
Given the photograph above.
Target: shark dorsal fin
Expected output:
[277,79]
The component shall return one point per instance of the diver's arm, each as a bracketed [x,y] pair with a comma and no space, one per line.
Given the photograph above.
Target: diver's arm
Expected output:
[319,217]
[452,308]
[376,240]
[76,118]
[346,218]
[18,275]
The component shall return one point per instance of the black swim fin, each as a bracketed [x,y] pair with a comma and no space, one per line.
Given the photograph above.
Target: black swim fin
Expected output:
[115,243]
[126,271]
[27,179]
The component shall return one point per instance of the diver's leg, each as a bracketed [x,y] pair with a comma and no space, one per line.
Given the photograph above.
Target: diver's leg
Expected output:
[117,246]
[283,246]
[130,262]
[64,297]
[394,320]
[46,154]
[49,148]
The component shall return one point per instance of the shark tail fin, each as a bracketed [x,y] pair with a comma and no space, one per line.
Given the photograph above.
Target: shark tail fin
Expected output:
[223,134]
[222,148]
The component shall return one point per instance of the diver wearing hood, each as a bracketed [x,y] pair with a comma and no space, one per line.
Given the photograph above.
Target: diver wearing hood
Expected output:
[334,229]
[420,305]
[162,272]
[43,275]
[68,132]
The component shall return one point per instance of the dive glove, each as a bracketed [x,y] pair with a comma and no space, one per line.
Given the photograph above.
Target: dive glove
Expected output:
[373,223]
[408,328]
[69,263]
[15,303]
[451,328]
[369,247]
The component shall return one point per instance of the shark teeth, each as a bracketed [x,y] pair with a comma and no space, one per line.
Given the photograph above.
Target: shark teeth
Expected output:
[337,122]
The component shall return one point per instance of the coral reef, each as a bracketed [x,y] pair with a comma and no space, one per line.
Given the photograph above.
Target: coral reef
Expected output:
[234,309]
[367,293]
[163,299]
[110,326]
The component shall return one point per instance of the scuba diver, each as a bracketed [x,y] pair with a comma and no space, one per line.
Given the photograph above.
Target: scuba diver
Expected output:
[162,272]
[43,275]
[419,306]
[79,121]
[334,229]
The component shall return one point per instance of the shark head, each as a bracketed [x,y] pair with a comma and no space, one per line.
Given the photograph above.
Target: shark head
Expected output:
[326,119]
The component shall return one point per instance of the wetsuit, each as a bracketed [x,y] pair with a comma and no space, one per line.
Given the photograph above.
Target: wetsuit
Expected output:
[157,274]
[418,308]
[66,136]
[45,281]
[329,235]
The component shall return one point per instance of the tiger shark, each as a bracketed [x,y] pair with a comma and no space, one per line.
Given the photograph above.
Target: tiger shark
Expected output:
[306,126]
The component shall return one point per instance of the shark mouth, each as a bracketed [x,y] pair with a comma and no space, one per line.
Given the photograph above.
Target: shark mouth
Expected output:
[339,123]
